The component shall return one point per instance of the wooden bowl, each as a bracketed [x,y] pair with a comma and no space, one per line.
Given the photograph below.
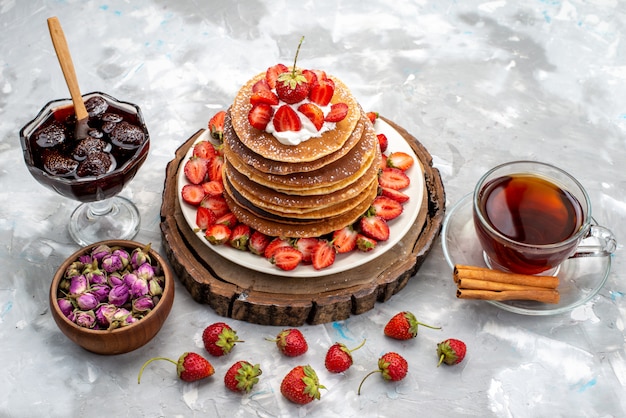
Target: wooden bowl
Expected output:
[123,339]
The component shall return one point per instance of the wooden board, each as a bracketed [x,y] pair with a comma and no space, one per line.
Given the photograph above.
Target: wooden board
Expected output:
[240,293]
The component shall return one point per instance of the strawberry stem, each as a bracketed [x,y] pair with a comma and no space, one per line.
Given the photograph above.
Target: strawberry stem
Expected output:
[293,71]
[358,346]
[358,392]
[441,359]
[428,326]
[150,361]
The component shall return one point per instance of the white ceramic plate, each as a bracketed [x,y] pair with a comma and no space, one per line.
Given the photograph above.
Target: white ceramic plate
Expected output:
[580,279]
[398,227]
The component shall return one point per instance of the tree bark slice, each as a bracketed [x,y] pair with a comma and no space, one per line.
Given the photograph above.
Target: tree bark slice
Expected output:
[240,293]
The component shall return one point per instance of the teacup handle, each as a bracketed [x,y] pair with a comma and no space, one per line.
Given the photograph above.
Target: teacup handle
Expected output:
[598,242]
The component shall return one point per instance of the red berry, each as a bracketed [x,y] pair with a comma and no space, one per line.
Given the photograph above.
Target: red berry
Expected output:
[400,160]
[393,178]
[339,357]
[344,239]
[396,195]
[217,205]
[323,254]
[219,339]
[365,244]
[338,112]
[258,242]
[189,367]
[301,385]
[242,376]
[229,219]
[306,246]
[196,170]
[204,218]
[403,326]
[322,91]
[260,115]
[292,87]
[217,234]
[204,149]
[374,227]
[372,116]
[272,73]
[214,168]
[213,188]
[386,208]
[274,245]
[286,119]
[239,237]
[291,342]
[383,142]
[192,194]
[313,113]
[286,258]
[392,366]
[451,351]
[216,125]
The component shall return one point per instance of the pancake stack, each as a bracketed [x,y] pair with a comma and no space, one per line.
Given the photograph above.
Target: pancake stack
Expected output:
[307,190]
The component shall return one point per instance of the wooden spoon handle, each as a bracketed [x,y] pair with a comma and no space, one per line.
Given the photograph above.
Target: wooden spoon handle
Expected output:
[67,66]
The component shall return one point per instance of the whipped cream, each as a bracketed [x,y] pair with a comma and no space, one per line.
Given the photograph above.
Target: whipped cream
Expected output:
[307,131]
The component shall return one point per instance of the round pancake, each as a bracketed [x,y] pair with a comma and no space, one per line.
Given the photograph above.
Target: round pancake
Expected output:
[264,165]
[266,145]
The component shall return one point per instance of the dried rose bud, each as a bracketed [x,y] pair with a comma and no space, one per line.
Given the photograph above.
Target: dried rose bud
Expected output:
[85,319]
[140,256]
[139,288]
[74,269]
[96,277]
[78,285]
[115,279]
[100,251]
[145,271]
[123,255]
[130,279]
[100,291]
[112,263]
[120,318]
[105,313]
[119,295]
[155,287]
[66,306]
[85,259]
[143,305]
[87,301]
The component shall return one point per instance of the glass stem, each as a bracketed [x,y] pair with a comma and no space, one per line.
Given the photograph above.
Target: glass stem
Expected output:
[100,207]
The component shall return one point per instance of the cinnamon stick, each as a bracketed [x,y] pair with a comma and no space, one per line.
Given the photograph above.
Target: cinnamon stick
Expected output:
[496,286]
[545,296]
[482,273]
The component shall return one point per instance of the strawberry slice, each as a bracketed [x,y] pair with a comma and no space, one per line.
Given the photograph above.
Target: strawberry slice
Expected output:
[393,178]
[344,239]
[261,86]
[239,237]
[372,116]
[313,113]
[396,195]
[260,115]
[274,245]
[365,244]
[322,91]
[229,219]
[383,162]
[323,254]
[204,149]
[214,168]
[217,204]
[264,97]
[216,125]
[204,218]
[400,160]
[305,246]
[311,76]
[195,170]
[192,194]
[383,142]
[374,227]
[213,188]
[217,234]
[258,242]
[286,119]
[272,73]
[338,112]
[386,208]
[286,258]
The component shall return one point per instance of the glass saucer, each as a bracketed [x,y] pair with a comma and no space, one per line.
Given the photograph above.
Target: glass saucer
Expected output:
[580,279]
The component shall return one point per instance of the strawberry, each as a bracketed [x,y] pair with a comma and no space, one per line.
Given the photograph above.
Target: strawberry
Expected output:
[204,218]
[339,357]
[313,113]
[272,73]
[258,242]
[400,160]
[364,243]
[219,339]
[214,168]
[374,227]
[451,351]
[305,246]
[261,86]
[286,258]
[192,194]
[322,91]
[203,149]
[242,376]
[213,188]
[323,254]
[386,208]
[239,237]
[403,326]
[396,195]
[195,170]
[260,115]
[229,219]
[393,178]
[217,204]
[216,125]
[338,112]
[372,116]
[310,76]
[383,162]
[292,86]
[392,366]
[383,142]
[291,342]
[286,119]
[264,97]
[189,367]
[301,385]
[275,244]
[217,234]
[344,239]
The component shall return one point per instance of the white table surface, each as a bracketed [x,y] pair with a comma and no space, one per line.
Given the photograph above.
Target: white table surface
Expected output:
[477,82]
